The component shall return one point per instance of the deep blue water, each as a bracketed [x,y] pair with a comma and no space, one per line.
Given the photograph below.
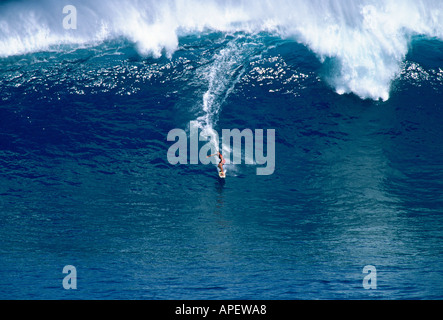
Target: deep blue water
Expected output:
[85,180]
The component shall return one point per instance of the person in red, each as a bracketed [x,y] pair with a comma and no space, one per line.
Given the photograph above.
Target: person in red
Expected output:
[222,161]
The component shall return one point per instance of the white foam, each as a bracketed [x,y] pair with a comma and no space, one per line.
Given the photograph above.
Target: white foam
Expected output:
[367,38]
[220,82]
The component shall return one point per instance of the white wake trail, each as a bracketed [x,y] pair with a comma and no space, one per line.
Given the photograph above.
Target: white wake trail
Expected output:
[222,75]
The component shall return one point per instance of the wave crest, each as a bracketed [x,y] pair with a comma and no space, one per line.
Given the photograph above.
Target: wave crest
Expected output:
[367,39]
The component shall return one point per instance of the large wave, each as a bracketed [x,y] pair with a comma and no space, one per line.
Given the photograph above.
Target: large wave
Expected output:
[364,42]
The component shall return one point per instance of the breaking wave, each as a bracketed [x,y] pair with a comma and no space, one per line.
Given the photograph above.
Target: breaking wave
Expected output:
[363,43]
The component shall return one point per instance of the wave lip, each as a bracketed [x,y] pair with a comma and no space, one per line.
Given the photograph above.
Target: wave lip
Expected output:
[367,40]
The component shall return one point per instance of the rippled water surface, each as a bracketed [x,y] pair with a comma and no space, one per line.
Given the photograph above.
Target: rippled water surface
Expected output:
[85,179]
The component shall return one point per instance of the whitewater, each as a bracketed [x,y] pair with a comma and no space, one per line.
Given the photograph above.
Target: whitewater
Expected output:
[352,91]
[362,43]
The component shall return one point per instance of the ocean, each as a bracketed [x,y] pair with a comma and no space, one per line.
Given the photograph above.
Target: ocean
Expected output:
[91,90]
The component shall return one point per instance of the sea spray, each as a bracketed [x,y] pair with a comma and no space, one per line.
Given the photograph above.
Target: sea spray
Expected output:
[366,40]
[222,75]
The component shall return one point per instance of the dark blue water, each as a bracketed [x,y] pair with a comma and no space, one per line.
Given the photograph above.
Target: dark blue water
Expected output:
[85,180]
